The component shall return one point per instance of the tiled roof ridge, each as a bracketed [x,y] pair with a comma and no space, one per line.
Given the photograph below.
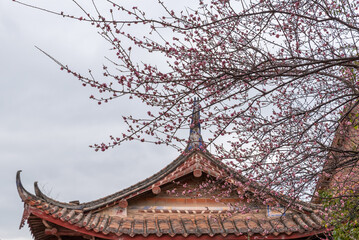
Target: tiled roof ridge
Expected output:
[92,205]
[283,199]
[307,206]
[24,194]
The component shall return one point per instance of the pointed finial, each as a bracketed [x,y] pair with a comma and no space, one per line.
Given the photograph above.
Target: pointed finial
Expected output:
[195,140]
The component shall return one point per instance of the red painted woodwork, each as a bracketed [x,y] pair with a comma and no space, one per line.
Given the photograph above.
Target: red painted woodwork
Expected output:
[123,203]
[42,215]
[156,190]
[197,173]
[51,231]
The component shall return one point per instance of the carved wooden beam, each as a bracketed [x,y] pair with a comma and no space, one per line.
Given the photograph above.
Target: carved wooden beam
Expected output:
[50,231]
[62,232]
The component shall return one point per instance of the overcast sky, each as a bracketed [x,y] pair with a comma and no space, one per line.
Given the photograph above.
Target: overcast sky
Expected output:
[47,120]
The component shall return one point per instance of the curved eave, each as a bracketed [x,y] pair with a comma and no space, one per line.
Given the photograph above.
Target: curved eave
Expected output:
[41,195]
[92,205]
[23,193]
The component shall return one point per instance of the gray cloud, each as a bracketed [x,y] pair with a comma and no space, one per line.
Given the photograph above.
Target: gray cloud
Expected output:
[47,120]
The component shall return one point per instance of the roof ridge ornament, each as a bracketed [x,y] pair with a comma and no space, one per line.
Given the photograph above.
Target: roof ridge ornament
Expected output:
[195,140]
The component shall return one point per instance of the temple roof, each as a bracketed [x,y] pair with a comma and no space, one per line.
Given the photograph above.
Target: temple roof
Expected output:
[107,217]
[88,217]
